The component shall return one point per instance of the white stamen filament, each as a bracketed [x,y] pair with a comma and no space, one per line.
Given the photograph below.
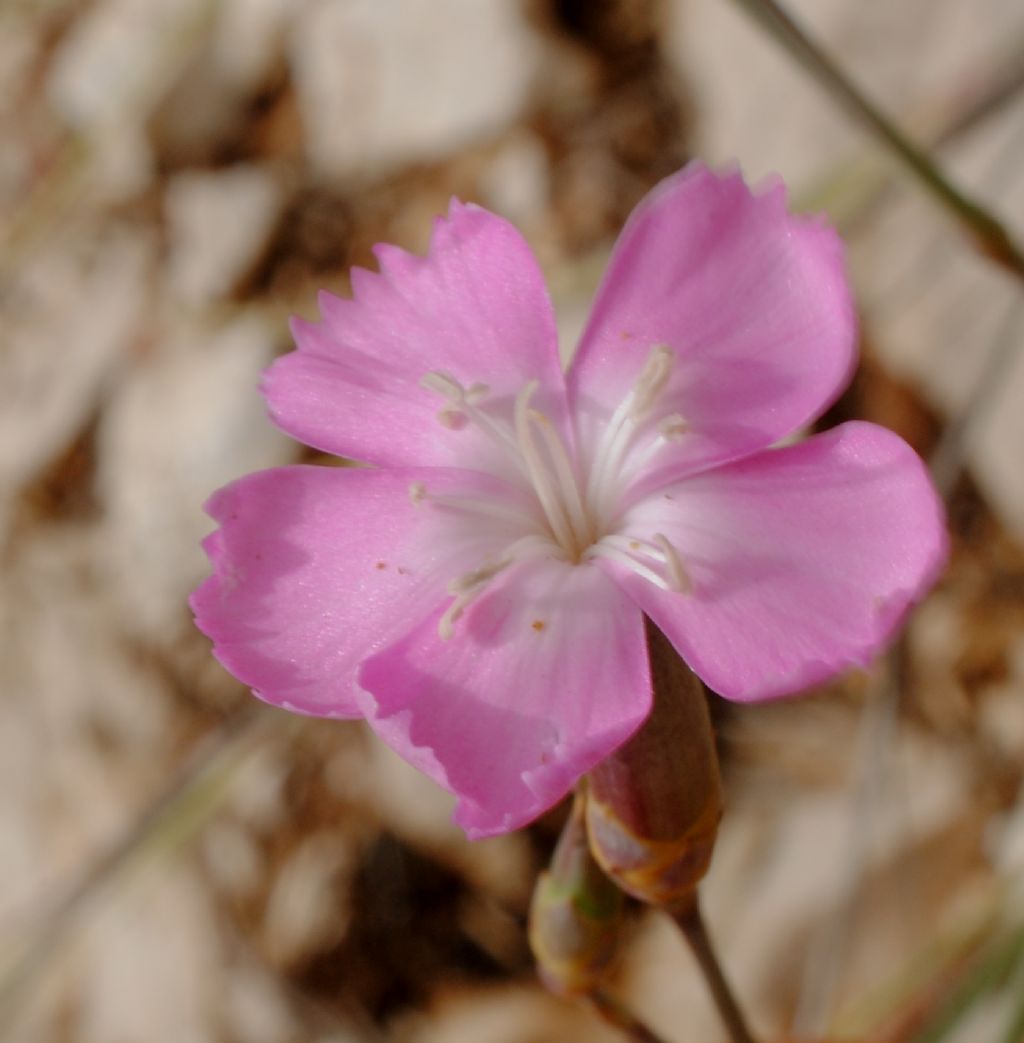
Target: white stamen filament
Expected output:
[463,402]
[568,524]
[419,493]
[678,576]
[626,549]
[603,549]
[618,435]
[568,485]
[470,585]
[633,546]
[444,384]
[540,478]
[667,431]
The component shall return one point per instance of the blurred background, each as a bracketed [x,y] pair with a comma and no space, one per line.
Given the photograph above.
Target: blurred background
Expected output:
[178,176]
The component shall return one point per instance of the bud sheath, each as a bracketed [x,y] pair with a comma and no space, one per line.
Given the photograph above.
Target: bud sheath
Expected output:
[575,914]
[653,806]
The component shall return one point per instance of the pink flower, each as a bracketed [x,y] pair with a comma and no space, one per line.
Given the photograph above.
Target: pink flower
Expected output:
[478,593]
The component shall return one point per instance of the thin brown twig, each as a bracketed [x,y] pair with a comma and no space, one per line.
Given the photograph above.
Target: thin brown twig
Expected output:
[983,227]
[932,264]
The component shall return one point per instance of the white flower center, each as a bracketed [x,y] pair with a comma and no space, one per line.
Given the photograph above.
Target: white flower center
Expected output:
[578,505]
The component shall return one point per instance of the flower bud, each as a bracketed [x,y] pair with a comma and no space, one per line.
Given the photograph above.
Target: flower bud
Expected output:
[653,806]
[575,914]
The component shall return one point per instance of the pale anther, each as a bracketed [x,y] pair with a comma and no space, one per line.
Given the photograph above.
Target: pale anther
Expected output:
[462,407]
[679,578]
[417,493]
[468,580]
[446,625]
[652,380]
[452,418]
[672,427]
[470,585]
[445,385]
[466,588]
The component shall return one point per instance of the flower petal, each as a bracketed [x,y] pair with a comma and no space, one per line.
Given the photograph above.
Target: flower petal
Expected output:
[803,560]
[752,301]
[475,307]
[314,567]
[545,675]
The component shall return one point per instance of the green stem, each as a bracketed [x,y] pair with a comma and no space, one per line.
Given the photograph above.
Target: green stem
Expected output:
[988,973]
[984,228]
[691,923]
[1015,1028]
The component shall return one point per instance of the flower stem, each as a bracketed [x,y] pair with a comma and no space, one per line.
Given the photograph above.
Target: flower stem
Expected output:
[613,1013]
[984,228]
[691,923]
